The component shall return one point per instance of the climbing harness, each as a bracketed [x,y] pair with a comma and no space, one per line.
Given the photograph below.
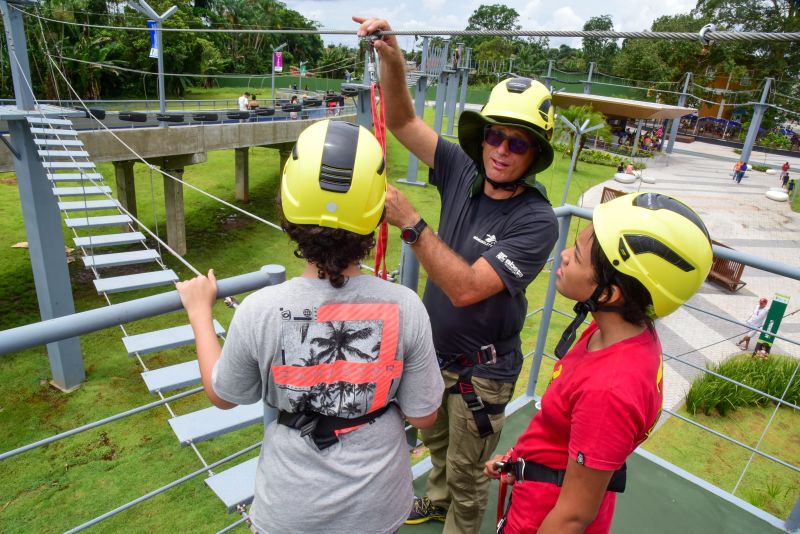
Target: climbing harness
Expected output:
[379,120]
[486,355]
[326,429]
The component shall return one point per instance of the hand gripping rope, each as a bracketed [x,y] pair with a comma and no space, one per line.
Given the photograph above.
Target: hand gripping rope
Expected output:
[379,120]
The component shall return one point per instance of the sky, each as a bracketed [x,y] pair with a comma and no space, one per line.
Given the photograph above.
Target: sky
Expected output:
[628,15]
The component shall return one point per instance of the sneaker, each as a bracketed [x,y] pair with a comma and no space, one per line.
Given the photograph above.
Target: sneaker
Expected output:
[424,510]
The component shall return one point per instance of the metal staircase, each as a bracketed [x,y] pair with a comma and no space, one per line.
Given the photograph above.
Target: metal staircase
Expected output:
[109,240]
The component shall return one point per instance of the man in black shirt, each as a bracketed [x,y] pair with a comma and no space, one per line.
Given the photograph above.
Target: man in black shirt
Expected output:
[497,229]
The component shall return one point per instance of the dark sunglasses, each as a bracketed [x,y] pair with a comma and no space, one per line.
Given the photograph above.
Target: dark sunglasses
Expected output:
[517,145]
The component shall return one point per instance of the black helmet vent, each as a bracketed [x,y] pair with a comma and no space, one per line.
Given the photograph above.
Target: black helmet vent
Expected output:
[518,85]
[339,157]
[655,201]
[645,244]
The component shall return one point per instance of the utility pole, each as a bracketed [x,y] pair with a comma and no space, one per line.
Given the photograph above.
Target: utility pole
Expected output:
[144,8]
[39,206]
[587,85]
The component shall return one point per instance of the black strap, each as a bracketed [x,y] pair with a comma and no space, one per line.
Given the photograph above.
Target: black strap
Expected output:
[322,428]
[485,355]
[533,471]
[480,410]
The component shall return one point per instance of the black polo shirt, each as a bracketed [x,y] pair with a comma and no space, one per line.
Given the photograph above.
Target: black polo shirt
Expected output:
[514,235]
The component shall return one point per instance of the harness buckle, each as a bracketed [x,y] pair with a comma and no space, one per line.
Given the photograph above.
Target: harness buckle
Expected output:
[307,424]
[490,351]
[474,402]
[518,468]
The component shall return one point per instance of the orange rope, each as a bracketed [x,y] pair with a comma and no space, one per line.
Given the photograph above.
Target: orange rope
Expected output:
[379,119]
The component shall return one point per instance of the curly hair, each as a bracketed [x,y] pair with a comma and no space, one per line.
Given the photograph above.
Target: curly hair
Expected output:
[638,305]
[332,249]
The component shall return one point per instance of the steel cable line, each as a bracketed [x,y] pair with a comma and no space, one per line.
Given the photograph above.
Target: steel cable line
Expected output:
[685,36]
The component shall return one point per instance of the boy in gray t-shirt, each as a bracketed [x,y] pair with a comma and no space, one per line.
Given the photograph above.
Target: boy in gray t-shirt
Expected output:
[344,357]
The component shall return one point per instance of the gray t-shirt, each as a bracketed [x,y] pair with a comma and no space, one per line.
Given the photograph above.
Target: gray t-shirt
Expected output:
[343,352]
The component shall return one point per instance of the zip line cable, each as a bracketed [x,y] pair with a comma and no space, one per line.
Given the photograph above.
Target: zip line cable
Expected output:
[678,36]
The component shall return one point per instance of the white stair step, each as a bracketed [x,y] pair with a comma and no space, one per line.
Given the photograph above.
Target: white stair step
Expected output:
[97,222]
[172,377]
[236,485]
[121,258]
[80,191]
[211,422]
[68,164]
[58,142]
[168,338]
[54,131]
[75,177]
[48,120]
[63,153]
[109,240]
[130,282]
[88,205]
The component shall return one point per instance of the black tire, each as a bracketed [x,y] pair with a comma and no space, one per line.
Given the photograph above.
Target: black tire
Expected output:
[132,116]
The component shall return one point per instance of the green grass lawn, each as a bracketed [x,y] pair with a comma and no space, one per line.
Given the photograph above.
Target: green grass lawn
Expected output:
[766,484]
[57,487]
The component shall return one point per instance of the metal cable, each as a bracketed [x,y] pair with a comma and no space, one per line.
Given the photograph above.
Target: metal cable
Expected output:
[677,36]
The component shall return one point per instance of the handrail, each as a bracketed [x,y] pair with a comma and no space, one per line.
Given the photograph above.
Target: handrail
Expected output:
[35,334]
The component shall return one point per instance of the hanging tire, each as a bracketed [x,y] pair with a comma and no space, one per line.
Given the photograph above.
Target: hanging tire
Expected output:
[264,112]
[241,115]
[312,102]
[205,117]
[169,117]
[89,113]
[132,116]
[291,107]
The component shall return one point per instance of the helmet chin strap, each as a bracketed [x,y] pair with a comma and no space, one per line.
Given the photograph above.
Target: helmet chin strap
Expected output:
[505,186]
[581,309]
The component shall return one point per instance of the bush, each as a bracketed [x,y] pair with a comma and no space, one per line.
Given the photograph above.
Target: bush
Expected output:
[601,157]
[771,376]
[760,168]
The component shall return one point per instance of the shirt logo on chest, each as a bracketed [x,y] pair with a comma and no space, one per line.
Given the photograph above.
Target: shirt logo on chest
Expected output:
[488,241]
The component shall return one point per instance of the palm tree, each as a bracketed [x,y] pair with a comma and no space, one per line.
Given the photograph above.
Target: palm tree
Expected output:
[579,115]
[339,343]
[365,389]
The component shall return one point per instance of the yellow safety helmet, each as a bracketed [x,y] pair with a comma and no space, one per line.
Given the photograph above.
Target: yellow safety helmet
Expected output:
[520,102]
[659,241]
[336,178]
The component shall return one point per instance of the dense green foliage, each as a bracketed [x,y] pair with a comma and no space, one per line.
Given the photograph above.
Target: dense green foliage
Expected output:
[772,376]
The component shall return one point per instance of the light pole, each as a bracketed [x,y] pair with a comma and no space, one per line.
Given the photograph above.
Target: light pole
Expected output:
[274,50]
[579,132]
[300,74]
[144,8]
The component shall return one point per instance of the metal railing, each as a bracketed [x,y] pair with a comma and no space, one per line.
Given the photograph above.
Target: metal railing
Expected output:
[65,327]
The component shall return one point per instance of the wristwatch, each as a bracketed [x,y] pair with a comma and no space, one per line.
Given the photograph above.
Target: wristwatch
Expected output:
[410,234]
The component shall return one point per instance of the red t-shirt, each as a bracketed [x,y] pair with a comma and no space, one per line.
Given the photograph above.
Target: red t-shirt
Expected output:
[598,408]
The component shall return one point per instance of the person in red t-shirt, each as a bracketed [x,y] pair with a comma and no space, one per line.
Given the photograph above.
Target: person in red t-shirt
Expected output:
[644,255]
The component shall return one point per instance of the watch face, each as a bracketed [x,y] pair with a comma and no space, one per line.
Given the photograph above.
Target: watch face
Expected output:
[408,235]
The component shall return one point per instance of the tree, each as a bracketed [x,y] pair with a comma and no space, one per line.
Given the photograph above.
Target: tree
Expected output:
[580,114]
[491,17]
[598,49]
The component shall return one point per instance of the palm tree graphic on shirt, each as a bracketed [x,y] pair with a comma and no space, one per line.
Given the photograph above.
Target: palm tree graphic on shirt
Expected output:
[339,343]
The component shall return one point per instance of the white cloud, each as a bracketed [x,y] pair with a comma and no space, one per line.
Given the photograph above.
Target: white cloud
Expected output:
[434,5]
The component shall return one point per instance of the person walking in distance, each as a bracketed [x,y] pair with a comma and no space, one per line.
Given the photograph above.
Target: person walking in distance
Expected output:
[643,256]
[344,357]
[496,231]
[755,322]
[243,101]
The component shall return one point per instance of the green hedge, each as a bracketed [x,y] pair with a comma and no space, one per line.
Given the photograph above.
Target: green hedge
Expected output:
[710,393]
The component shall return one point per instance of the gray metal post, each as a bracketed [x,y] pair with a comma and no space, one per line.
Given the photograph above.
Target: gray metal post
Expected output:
[466,60]
[419,109]
[636,138]
[450,101]
[40,213]
[548,80]
[673,133]
[549,301]
[440,90]
[587,85]
[793,521]
[755,123]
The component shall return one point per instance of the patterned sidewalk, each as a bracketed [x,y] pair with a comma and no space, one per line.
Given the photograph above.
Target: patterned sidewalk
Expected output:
[740,216]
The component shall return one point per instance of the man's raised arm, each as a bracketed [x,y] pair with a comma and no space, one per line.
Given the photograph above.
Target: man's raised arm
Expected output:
[409,129]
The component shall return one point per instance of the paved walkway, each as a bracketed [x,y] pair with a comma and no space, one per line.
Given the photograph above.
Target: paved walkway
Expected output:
[740,216]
